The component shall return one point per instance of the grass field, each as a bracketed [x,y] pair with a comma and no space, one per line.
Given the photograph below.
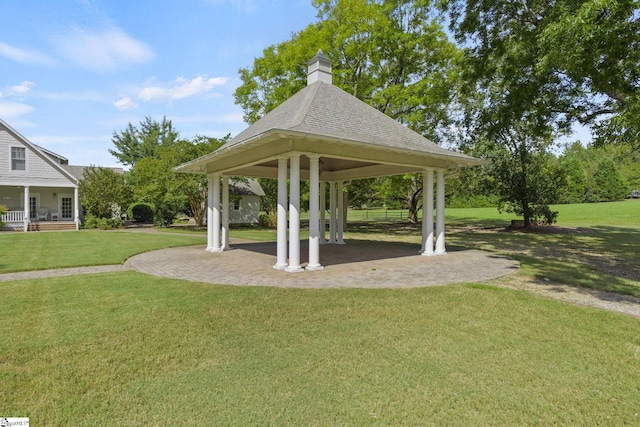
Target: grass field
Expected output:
[135,349]
[44,250]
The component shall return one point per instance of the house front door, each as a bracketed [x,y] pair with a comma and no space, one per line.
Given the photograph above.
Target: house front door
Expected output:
[66,207]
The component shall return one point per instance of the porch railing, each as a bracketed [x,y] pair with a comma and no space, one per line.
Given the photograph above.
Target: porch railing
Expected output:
[13,216]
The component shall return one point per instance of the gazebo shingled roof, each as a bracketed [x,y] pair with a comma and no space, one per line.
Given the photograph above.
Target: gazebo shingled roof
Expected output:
[353,139]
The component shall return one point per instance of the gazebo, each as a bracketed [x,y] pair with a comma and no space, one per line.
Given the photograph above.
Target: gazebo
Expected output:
[324,135]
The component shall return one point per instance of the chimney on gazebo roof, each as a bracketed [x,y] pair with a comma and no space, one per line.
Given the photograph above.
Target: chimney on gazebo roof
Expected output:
[319,69]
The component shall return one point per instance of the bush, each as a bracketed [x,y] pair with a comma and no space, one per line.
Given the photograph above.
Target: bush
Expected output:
[141,212]
[545,214]
[92,222]
[268,220]
[3,209]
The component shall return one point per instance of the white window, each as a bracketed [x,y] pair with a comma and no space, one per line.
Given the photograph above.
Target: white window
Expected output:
[18,159]
[236,205]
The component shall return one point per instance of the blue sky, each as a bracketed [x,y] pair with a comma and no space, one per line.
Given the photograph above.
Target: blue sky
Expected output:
[74,71]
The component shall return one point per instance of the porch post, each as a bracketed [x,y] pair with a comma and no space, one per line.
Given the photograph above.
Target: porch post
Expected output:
[314,222]
[323,208]
[440,247]
[76,207]
[332,212]
[281,261]
[427,213]
[210,180]
[215,244]
[340,217]
[225,213]
[27,208]
[294,216]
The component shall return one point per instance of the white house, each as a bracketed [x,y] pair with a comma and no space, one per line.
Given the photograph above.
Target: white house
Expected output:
[38,187]
[245,209]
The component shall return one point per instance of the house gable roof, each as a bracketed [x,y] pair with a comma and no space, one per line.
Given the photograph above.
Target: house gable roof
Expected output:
[45,155]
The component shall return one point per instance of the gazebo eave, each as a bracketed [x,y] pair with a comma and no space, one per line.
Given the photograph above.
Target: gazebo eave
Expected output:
[257,157]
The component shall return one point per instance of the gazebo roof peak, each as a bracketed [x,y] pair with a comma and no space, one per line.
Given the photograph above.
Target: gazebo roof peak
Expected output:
[319,69]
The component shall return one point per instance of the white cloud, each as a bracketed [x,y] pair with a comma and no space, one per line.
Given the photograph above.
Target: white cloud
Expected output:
[102,51]
[24,56]
[21,89]
[125,103]
[182,88]
[10,110]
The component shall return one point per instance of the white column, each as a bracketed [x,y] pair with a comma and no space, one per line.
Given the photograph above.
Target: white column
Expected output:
[210,179]
[294,216]
[440,249]
[332,212]
[225,213]
[323,219]
[76,208]
[314,206]
[281,261]
[427,213]
[26,209]
[340,217]
[215,244]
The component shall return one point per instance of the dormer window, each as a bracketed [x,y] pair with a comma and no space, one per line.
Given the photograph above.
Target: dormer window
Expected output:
[18,159]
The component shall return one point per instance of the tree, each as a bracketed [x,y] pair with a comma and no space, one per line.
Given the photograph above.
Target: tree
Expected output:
[134,144]
[610,186]
[103,192]
[171,193]
[391,54]
[576,185]
[586,53]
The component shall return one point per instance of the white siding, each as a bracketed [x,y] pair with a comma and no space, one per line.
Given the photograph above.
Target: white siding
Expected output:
[38,171]
[249,211]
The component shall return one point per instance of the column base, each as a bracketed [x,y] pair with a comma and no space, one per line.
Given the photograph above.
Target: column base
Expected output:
[428,253]
[279,266]
[440,252]
[214,249]
[294,269]
[314,267]
[340,243]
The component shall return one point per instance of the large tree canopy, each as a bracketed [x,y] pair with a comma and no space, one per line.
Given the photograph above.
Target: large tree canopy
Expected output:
[393,55]
[585,53]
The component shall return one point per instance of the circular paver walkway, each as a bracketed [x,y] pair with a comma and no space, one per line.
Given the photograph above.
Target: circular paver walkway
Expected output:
[357,264]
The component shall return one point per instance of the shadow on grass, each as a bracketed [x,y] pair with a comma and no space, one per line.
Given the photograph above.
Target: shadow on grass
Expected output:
[600,257]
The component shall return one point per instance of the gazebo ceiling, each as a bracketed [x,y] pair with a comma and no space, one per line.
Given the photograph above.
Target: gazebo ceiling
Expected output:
[352,139]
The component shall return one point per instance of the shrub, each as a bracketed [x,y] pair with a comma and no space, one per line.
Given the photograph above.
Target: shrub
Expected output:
[3,209]
[269,220]
[544,213]
[141,212]
[91,222]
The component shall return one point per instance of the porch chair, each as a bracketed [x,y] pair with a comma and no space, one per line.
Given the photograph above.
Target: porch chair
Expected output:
[42,213]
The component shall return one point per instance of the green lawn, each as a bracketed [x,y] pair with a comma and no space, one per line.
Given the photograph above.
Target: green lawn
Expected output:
[91,349]
[141,350]
[44,250]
